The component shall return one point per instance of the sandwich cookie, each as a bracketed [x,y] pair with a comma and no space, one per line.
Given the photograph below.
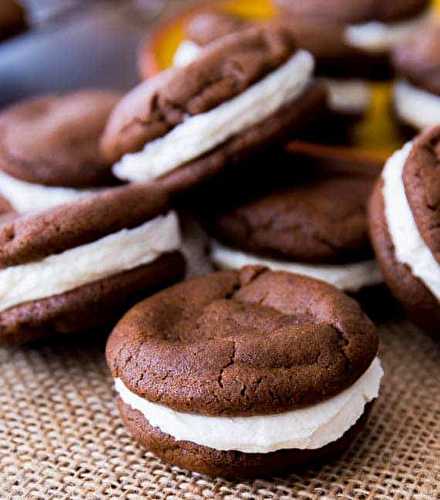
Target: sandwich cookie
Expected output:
[309,218]
[417,91]
[49,149]
[351,42]
[404,221]
[12,18]
[245,92]
[349,98]
[245,373]
[81,265]
[365,25]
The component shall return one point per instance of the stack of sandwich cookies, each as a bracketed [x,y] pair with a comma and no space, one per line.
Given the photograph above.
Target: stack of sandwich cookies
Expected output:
[349,98]
[372,28]
[81,265]
[417,91]
[49,149]
[404,222]
[309,218]
[244,93]
[351,42]
[245,373]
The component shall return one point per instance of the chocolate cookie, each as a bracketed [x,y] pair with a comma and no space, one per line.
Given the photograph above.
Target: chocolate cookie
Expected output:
[417,92]
[79,266]
[404,221]
[219,373]
[353,39]
[188,123]
[12,18]
[309,217]
[49,148]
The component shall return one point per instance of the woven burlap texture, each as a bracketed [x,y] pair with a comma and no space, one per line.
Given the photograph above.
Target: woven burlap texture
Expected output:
[61,436]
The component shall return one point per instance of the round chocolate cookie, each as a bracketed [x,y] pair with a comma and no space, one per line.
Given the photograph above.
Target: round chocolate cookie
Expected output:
[49,148]
[352,39]
[417,91]
[79,266]
[217,374]
[309,217]
[245,92]
[404,221]
[12,18]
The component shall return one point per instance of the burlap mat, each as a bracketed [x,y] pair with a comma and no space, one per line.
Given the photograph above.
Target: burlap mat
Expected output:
[61,437]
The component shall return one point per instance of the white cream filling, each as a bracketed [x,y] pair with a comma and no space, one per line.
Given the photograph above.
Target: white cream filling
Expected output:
[348,96]
[113,254]
[203,132]
[345,96]
[306,428]
[29,197]
[376,36]
[186,53]
[409,246]
[348,277]
[415,106]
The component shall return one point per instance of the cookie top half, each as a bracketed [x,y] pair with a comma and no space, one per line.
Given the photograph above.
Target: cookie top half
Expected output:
[226,69]
[359,11]
[33,237]
[54,140]
[242,343]
[418,59]
[312,211]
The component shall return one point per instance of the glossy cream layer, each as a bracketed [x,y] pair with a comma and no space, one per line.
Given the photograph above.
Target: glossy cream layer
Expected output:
[186,53]
[348,277]
[108,256]
[349,96]
[29,197]
[377,37]
[306,428]
[409,246]
[202,133]
[415,106]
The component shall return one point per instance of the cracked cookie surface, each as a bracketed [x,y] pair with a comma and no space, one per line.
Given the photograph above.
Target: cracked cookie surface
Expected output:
[243,342]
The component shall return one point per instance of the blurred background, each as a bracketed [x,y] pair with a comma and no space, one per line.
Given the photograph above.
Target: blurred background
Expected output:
[66,44]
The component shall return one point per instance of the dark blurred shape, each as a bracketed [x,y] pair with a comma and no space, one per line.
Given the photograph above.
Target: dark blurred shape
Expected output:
[83,44]
[12,18]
